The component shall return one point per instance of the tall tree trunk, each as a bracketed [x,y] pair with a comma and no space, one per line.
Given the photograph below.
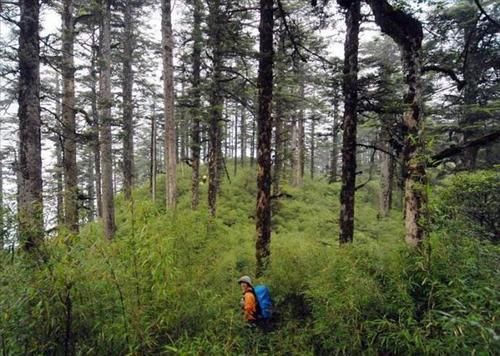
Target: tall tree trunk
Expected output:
[91,186]
[68,119]
[265,90]
[295,143]
[386,174]
[350,88]
[196,109]
[313,146]
[2,226]
[335,134]
[59,184]
[471,77]
[216,103]
[59,162]
[243,135]
[301,127]
[105,102]
[278,146]
[30,206]
[168,102]
[153,158]
[407,33]
[252,145]
[235,148]
[128,106]
[95,126]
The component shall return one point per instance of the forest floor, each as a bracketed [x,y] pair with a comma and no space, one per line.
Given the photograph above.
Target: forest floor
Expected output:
[167,283]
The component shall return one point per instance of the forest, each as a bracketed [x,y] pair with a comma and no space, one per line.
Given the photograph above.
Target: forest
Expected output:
[343,154]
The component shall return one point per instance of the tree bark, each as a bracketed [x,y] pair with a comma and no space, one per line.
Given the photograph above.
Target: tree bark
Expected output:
[95,126]
[235,148]
[278,145]
[196,109]
[216,106]
[298,141]
[471,77]
[407,33]
[153,159]
[30,206]
[296,181]
[350,88]
[68,119]
[243,135]
[252,145]
[335,134]
[58,175]
[265,90]
[313,147]
[128,106]
[168,102]
[386,174]
[91,186]
[105,102]
[2,226]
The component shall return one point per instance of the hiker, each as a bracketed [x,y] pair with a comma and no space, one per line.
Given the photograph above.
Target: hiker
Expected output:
[248,301]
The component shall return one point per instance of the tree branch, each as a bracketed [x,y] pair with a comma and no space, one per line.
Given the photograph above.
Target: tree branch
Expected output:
[290,34]
[436,159]
[493,21]
[448,71]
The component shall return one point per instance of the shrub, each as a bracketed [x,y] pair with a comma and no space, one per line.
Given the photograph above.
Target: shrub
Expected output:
[470,204]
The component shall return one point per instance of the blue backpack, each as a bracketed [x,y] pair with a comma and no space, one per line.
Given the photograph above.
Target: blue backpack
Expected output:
[264,302]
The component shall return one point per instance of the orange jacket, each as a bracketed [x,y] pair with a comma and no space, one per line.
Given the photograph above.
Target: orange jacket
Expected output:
[249,305]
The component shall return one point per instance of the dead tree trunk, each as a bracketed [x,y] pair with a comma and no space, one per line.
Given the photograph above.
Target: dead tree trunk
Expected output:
[105,102]
[168,101]
[407,32]
[265,90]
[30,204]
[350,88]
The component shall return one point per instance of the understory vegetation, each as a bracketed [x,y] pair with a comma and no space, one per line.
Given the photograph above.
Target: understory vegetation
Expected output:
[167,283]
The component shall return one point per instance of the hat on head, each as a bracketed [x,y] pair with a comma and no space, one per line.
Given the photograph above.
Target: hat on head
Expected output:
[245,279]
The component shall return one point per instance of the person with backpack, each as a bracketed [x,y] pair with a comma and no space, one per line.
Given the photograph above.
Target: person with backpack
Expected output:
[256,303]
[248,301]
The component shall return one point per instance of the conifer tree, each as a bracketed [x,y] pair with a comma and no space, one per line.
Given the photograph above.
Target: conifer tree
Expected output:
[168,104]
[265,95]
[30,208]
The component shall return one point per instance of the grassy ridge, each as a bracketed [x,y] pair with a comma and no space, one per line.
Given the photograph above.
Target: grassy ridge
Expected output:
[167,283]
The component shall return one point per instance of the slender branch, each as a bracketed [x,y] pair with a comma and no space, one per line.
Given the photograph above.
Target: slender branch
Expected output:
[376,148]
[8,19]
[481,9]
[290,34]
[448,71]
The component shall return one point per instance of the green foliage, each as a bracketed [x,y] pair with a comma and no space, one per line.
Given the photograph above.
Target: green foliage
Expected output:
[469,204]
[167,283]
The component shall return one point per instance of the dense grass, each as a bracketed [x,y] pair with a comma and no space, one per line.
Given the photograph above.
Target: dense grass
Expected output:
[167,284]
